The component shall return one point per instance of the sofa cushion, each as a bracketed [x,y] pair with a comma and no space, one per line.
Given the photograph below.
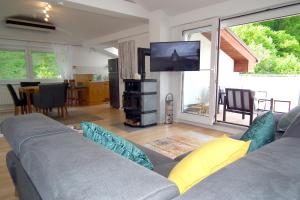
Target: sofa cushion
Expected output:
[287,118]
[294,129]
[182,156]
[206,160]
[271,172]
[164,169]
[261,132]
[155,158]
[64,167]
[17,130]
[115,143]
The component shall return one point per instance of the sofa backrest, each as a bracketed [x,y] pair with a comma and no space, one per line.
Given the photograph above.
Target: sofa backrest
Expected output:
[271,172]
[293,129]
[66,166]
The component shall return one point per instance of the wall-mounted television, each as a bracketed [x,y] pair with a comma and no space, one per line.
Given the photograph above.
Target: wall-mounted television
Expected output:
[175,56]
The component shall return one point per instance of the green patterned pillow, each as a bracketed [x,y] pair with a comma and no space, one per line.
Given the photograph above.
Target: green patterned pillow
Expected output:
[261,132]
[115,143]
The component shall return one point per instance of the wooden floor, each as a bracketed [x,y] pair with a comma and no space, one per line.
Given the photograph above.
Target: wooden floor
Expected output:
[109,117]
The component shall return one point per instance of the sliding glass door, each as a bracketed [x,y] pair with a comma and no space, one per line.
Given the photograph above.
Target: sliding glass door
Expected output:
[259,52]
[198,88]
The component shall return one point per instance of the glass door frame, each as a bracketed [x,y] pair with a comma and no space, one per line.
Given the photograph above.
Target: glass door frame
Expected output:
[178,35]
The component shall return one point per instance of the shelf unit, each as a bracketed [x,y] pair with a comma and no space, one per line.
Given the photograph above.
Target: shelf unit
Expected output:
[140,102]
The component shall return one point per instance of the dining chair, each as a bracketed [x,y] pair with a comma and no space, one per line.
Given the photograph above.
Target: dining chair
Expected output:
[18,102]
[51,96]
[26,84]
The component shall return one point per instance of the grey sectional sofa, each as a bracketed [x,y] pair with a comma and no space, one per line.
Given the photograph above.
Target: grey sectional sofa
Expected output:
[50,161]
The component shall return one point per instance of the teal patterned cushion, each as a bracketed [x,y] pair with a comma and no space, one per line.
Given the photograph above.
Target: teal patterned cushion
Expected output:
[115,143]
[261,132]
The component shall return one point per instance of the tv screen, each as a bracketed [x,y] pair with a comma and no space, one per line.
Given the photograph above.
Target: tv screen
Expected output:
[175,56]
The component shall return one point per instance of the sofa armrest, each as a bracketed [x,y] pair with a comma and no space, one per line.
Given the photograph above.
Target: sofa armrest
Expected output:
[22,182]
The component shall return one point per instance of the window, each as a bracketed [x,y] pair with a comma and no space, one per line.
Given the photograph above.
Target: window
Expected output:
[196,84]
[12,65]
[44,65]
[27,64]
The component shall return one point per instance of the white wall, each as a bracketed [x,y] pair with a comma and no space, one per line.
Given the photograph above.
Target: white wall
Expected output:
[90,61]
[159,31]
[278,87]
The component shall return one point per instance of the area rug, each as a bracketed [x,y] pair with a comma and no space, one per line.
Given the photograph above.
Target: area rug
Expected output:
[174,146]
[75,117]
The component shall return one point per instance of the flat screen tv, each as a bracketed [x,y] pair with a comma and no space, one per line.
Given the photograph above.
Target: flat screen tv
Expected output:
[175,56]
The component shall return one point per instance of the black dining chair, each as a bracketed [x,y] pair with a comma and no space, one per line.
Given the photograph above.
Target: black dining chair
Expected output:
[18,102]
[51,96]
[26,84]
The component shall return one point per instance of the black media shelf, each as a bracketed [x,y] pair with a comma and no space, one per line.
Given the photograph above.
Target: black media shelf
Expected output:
[140,102]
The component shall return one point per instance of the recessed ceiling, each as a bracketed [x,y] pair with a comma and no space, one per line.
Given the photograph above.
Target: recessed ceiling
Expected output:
[174,7]
[73,26]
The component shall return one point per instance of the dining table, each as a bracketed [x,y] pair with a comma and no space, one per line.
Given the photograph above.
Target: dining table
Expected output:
[26,92]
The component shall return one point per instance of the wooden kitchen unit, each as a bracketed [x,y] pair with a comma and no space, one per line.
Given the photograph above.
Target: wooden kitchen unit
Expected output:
[98,92]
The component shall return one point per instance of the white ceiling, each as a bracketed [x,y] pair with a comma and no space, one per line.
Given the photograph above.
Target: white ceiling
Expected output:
[76,26]
[73,26]
[174,7]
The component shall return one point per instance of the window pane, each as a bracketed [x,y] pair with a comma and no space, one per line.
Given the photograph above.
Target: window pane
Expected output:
[12,65]
[196,84]
[44,65]
[196,92]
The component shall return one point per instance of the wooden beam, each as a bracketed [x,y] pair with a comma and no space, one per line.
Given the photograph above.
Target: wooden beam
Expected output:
[244,59]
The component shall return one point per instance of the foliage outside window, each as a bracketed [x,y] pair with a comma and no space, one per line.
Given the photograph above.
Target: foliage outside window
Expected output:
[12,65]
[44,65]
[276,43]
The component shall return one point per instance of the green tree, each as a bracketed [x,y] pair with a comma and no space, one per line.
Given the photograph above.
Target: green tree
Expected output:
[278,51]
[44,65]
[12,65]
[290,25]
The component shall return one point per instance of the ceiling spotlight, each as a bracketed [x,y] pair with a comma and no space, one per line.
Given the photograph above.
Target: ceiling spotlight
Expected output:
[49,6]
[45,11]
[47,16]
[46,19]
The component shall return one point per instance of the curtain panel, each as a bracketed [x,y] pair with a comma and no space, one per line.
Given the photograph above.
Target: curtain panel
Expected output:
[64,55]
[127,55]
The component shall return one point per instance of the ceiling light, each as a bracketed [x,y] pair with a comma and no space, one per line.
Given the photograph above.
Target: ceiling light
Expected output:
[46,19]
[49,6]
[47,16]
[45,11]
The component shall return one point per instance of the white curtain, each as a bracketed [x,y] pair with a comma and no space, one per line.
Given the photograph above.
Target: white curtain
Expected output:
[127,62]
[64,55]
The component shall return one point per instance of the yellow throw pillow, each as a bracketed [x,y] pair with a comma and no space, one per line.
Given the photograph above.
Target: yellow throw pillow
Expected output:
[206,160]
